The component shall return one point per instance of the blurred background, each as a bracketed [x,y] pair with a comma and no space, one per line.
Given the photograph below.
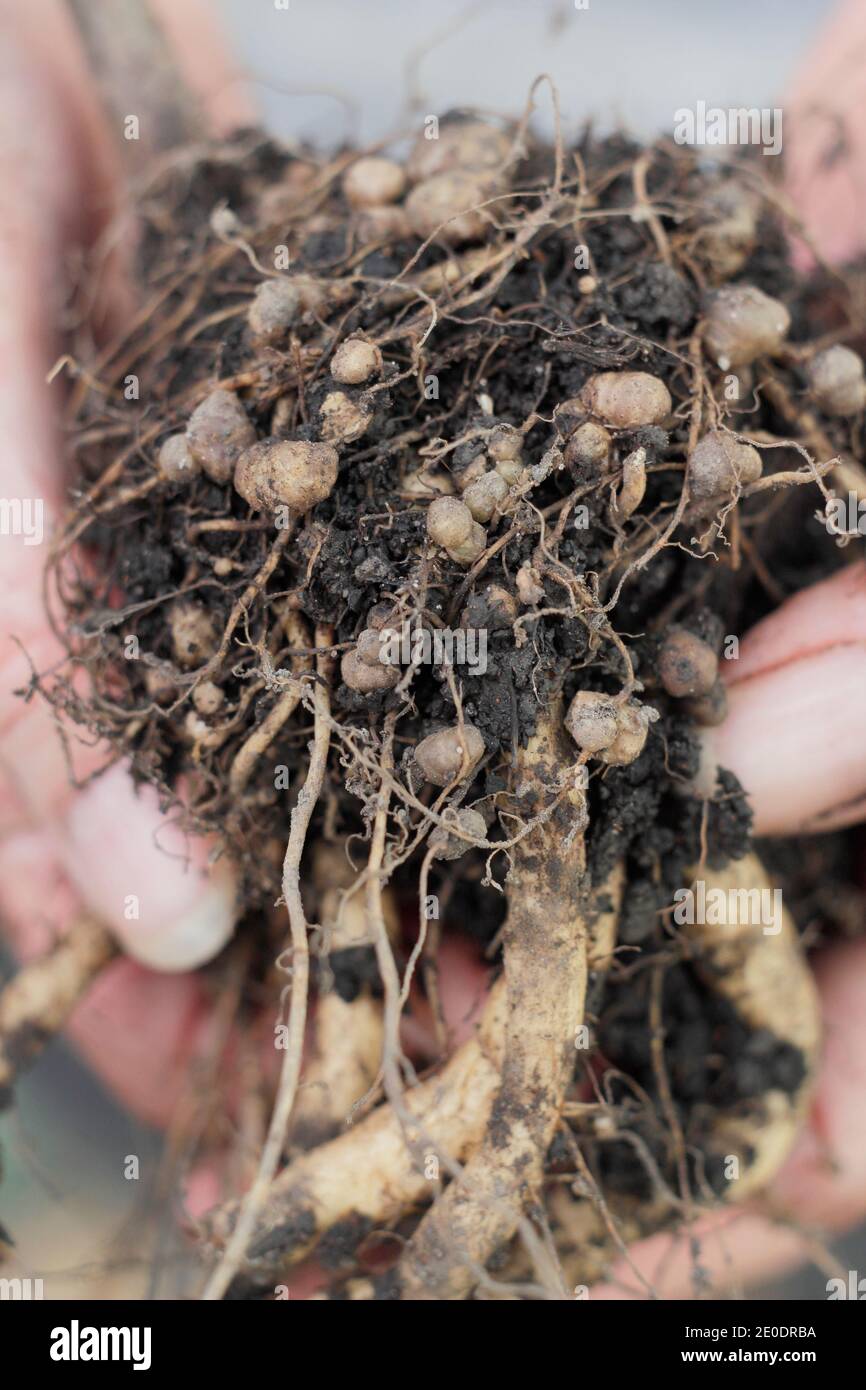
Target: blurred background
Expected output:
[328,72]
[332,70]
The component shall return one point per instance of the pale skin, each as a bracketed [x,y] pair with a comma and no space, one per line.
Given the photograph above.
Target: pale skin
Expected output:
[796,690]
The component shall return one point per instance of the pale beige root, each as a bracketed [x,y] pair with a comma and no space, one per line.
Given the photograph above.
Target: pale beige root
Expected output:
[349,1036]
[603,925]
[545,946]
[368,1173]
[249,1209]
[37,1001]
[263,735]
[767,979]
[343,1067]
[583,1238]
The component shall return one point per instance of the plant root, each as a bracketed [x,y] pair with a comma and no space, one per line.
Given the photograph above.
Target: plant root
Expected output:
[545,943]
[37,1001]
[300,821]
[349,1034]
[344,1065]
[367,1176]
[767,979]
[191,656]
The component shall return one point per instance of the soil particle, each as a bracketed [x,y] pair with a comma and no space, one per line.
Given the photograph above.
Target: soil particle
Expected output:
[336,1249]
[353,969]
[282,1239]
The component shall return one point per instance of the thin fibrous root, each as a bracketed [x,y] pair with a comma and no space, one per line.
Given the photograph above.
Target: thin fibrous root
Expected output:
[264,733]
[233,1255]
[37,1001]
[349,1034]
[545,945]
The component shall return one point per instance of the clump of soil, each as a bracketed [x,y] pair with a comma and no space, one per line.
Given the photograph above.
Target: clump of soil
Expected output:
[603,358]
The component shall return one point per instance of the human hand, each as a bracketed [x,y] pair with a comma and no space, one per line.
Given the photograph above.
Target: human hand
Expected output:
[139,1029]
[60,849]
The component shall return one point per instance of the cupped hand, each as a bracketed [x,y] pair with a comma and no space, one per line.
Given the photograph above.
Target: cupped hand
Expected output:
[794,734]
[105,848]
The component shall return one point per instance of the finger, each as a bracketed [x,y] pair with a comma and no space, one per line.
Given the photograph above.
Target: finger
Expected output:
[823,1186]
[464,982]
[138,1030]
[793,738]
[144,878]
[795,694]
[825,141]
[206,63]
[41,203]
[50,102]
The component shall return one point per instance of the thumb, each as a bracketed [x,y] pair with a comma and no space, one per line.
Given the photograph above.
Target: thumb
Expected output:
[144,878]
[794,734]
[826,140]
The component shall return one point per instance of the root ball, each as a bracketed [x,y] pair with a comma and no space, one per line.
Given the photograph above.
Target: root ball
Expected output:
[447,206]
[373,181]
[687,664]
[193,634]
[486,494]
[344,420]
[355,361]
[274,308]
[450,846]
[461,144]
[592,721]
[589,444]
[451,524]
[505,444]
[175,460]
[208,698]
[711,709]
[365,677]
[633,721]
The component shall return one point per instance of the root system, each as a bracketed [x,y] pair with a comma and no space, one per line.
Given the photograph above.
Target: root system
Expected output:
[410,533]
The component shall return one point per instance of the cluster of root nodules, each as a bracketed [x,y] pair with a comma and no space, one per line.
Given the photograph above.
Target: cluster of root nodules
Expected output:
[456,437]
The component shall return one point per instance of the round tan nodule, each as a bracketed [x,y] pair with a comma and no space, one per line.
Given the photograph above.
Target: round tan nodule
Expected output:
[440,756]
[744,323]
[286,472]
[218,431]
[627,400]
[373,181]
[447,206]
